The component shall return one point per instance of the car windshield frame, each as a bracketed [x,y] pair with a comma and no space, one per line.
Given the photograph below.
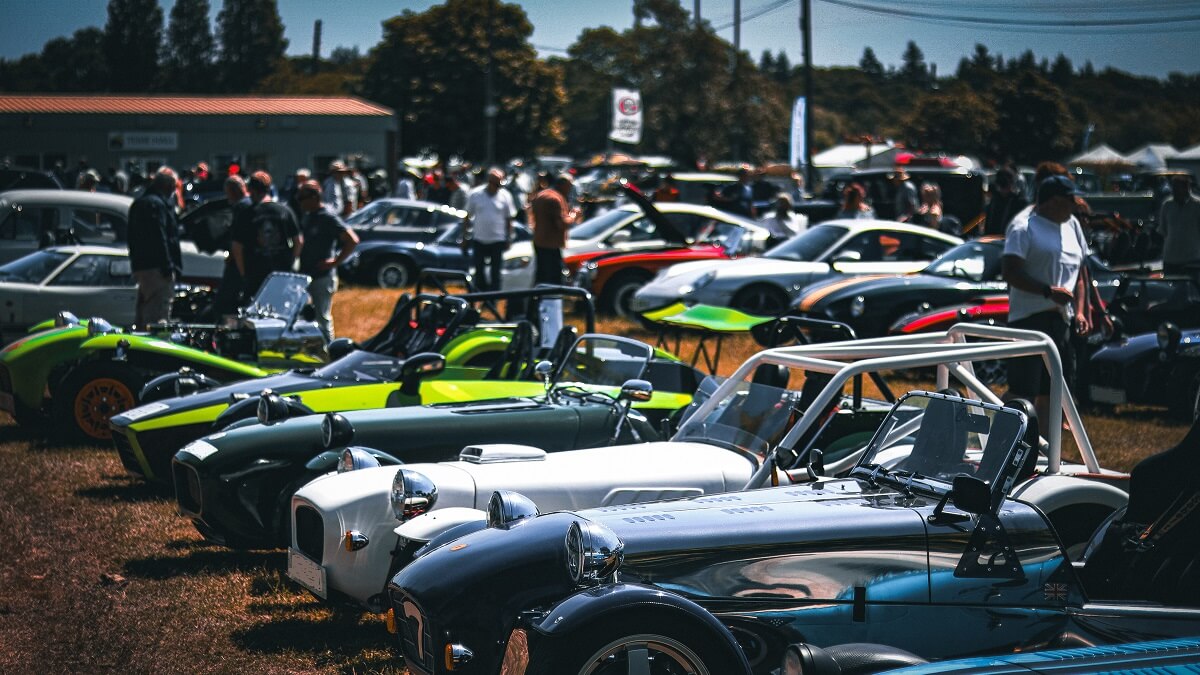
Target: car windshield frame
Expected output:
[988,444]
[39,262]
[281,296]
[564,370]
[760,409]
[810,244]
[361,366]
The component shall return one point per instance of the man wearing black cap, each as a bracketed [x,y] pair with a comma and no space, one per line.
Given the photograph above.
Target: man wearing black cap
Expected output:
[1043,255]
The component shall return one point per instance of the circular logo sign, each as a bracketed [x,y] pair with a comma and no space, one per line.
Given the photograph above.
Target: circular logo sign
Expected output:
[628,106]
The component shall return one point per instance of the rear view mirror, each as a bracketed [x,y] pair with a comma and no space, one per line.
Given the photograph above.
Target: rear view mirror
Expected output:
[971,495]
[636,390]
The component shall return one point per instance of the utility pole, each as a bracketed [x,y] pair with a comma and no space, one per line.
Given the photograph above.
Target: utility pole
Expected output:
[696,14]
[737,26]
[806,31]
[489,105]
[316,52]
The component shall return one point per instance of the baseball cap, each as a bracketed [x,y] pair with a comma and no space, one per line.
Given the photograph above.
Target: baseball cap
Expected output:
[308,187]
[1057,186]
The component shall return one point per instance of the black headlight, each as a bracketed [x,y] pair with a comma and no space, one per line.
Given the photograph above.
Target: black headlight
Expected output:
[594,552]
[507,507]
[271,408]
[336,431]
[355,459]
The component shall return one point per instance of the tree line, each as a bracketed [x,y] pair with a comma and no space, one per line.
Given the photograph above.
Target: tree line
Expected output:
[702,99]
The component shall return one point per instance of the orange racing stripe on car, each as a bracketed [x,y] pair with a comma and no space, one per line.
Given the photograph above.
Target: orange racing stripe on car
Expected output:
[809,299]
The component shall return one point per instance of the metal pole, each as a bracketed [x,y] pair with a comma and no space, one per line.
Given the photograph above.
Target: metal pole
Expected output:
[489,106]
[696,14]
[737,26]
[806,31]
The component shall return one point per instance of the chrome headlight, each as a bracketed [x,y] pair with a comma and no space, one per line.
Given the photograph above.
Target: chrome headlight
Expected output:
[1168,337]
[857,306]
[518,263]
[64,319]
[412,494]
[698,283]
[336,431]
[355,458]
[271,408]
[594,552]
[98,326]
[506,508]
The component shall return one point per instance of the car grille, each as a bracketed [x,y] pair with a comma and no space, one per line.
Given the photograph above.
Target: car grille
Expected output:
[187,489]
[310,533]
[416,637]
[1107,374]
[125,452]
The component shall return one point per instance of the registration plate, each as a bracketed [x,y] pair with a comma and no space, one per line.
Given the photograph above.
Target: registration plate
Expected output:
[1107,394]
[142,411]
[306,572]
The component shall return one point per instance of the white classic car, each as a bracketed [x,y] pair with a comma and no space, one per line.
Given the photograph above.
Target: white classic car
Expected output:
[84,280]
[762,426]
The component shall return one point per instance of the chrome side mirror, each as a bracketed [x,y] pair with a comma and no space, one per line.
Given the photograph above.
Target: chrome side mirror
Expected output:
[636,390]
[543,370]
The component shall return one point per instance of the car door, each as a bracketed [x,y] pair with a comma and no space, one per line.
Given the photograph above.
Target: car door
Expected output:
[93,285]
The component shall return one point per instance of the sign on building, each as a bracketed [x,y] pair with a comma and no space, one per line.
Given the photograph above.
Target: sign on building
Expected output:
[143,140]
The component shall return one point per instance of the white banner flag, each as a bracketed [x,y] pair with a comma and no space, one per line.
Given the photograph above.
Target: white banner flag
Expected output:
[627,116]
[799,110]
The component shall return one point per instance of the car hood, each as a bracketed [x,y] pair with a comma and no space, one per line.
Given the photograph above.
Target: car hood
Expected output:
[153,414]
[1140,346]
[826,293]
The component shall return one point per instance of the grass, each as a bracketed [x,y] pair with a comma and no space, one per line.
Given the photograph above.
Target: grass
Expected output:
[100,574]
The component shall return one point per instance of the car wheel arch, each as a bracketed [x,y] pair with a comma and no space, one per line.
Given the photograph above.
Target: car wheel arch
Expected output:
[627,604]
[1057,496]
[395,261]
[740,297]
[614,286]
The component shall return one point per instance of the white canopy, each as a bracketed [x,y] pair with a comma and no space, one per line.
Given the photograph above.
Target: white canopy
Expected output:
[1101,154]
[1152,155]
[849,154]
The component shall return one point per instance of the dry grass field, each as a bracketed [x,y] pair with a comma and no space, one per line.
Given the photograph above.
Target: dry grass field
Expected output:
[99,573]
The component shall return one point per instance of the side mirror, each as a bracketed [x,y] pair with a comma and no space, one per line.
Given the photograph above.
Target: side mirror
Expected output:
[619,237]
[636,390]
[971,495]
[417,367]
[544,370]
[341,347]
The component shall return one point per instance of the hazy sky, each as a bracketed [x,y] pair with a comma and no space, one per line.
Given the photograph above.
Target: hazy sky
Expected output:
[840,31]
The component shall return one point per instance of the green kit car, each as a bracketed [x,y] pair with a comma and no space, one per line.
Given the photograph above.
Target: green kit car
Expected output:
[237,484]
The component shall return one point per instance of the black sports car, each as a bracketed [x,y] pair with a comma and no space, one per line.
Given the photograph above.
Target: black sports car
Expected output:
[396,263]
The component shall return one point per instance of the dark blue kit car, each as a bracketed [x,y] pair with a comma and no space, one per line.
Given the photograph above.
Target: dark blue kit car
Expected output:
[917,550]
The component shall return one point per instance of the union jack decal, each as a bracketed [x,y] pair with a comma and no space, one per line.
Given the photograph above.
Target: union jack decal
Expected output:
[1055,592]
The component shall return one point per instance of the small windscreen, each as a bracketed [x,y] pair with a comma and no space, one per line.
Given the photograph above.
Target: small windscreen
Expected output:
[605,362]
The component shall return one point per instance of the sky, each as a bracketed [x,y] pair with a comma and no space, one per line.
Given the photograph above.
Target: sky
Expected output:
[841,28]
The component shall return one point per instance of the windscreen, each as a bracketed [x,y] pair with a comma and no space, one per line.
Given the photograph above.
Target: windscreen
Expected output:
[594,227]
[33,268]
[973,260]
[808,245]
[605,362]
[932,438]
[753,417]
[281,296]
[362,366]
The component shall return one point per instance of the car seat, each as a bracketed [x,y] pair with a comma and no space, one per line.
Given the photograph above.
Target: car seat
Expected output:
[517,353]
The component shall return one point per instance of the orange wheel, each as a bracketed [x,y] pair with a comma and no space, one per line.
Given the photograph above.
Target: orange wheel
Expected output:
[97,401]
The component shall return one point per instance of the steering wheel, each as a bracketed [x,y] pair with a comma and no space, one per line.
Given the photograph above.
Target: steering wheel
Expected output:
[577,393]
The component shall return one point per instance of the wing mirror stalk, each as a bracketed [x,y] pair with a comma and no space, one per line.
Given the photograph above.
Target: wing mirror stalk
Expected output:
[633,390]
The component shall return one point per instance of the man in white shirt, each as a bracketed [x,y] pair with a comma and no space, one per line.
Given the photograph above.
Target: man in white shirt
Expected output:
[488,226]
[1043,255]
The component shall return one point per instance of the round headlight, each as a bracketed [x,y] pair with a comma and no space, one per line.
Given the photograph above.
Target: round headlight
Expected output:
[1168,336]
[64,319]
[98,326]
[857,306]
[594,552]
[271,408]
[506,508]
[336,431]
[412,494]
[355,458]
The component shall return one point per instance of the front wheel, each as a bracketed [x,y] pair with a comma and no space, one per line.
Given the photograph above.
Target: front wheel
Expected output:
[653,648]
[90,395]
[620,294]
[761,300]
[394,273]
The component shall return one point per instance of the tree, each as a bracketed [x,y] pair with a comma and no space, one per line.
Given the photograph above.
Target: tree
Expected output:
[131,41]
[869,64]
[252,42]
[1033,122]
[432,68]
[913,69]
[955,119]
[1062,71]
[76,63]
[189,51]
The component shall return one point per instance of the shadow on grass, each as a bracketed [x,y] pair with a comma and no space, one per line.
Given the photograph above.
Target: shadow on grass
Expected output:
[340,635]
[126,492]
[204,561]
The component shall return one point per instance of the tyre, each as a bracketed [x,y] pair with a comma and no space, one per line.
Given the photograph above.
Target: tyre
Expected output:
[1075,525]
[90,395]
[666,647]
[761,300]
[395,273]
[619,292]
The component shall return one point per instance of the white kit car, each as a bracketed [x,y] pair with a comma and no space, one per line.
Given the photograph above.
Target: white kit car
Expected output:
[761,426]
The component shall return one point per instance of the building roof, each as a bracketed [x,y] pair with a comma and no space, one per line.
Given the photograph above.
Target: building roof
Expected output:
[190,105]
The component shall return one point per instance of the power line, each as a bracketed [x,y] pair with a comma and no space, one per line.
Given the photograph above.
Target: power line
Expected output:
[1024,23]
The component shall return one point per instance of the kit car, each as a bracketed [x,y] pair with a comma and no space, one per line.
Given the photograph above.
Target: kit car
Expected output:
[237,485]
[745,424]
[726,583]
[1160,369]
[484,360]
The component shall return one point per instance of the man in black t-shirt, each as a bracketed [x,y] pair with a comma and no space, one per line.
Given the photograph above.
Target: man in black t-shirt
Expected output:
[327,243]
[265,236]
